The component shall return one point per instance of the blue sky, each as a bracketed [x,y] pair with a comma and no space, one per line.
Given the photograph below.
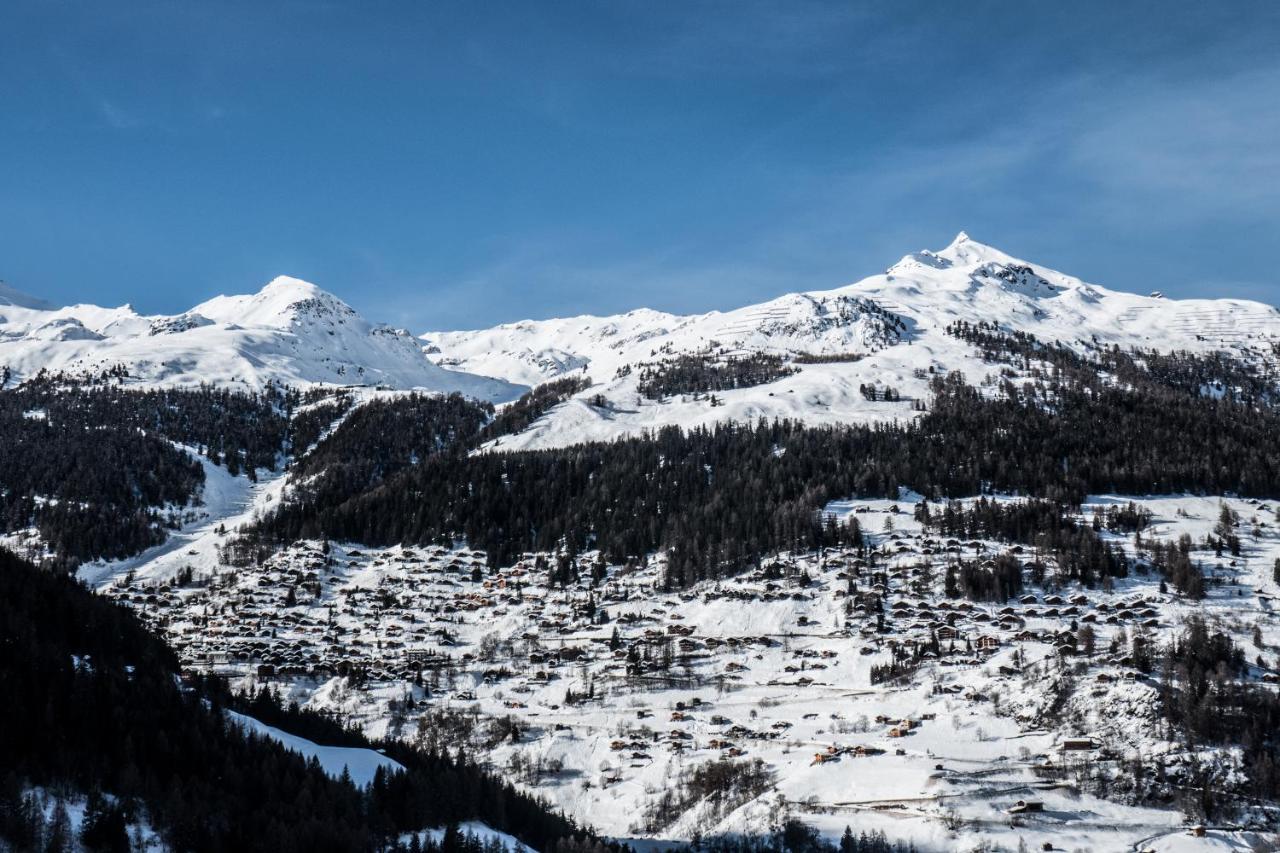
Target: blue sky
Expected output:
[445,165]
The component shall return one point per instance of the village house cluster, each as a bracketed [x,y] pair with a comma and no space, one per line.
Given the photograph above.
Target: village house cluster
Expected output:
[585,680]
[313,611]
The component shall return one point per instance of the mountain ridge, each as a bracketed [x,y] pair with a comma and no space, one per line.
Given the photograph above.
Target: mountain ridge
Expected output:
[289,332]
[965,268]
[293,332]
[886,331]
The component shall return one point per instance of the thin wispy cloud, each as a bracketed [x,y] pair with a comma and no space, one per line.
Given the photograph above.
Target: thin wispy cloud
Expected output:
[114,116]
[1215,144]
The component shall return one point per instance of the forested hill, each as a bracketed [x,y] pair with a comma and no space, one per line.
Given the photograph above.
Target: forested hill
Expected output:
[93,705]
[719,499]
[101,471]
[104,472]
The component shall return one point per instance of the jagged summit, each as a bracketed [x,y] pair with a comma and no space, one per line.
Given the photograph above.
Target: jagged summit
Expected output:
[962,252]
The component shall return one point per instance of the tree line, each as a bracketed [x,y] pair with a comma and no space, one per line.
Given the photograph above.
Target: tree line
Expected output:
[533,404]
[707,372]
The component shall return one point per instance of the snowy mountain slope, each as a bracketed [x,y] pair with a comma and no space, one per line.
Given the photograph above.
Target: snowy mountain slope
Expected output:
[895,320]
[360,764]
[290,332]
[825,323]
[481,831]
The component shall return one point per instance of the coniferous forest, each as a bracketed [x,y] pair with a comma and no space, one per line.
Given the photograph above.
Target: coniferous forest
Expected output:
[94,706]
[103,471]
[1059,437]
[704,373]
[100,471]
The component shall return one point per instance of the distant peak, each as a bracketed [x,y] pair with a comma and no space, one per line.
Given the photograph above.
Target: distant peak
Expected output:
[962,237]
[18,299]
[292,299]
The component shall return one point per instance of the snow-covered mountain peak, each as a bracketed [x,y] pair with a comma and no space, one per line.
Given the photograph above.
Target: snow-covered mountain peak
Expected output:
[290,332]
[975,281]
[963,253]
[845,345]
[286,290]
[966,251]
[282,303]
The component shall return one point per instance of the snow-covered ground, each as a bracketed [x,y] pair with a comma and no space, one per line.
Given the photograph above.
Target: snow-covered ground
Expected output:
[52,805]
[764,666]
[359,764]
[483,832]
[226,502]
